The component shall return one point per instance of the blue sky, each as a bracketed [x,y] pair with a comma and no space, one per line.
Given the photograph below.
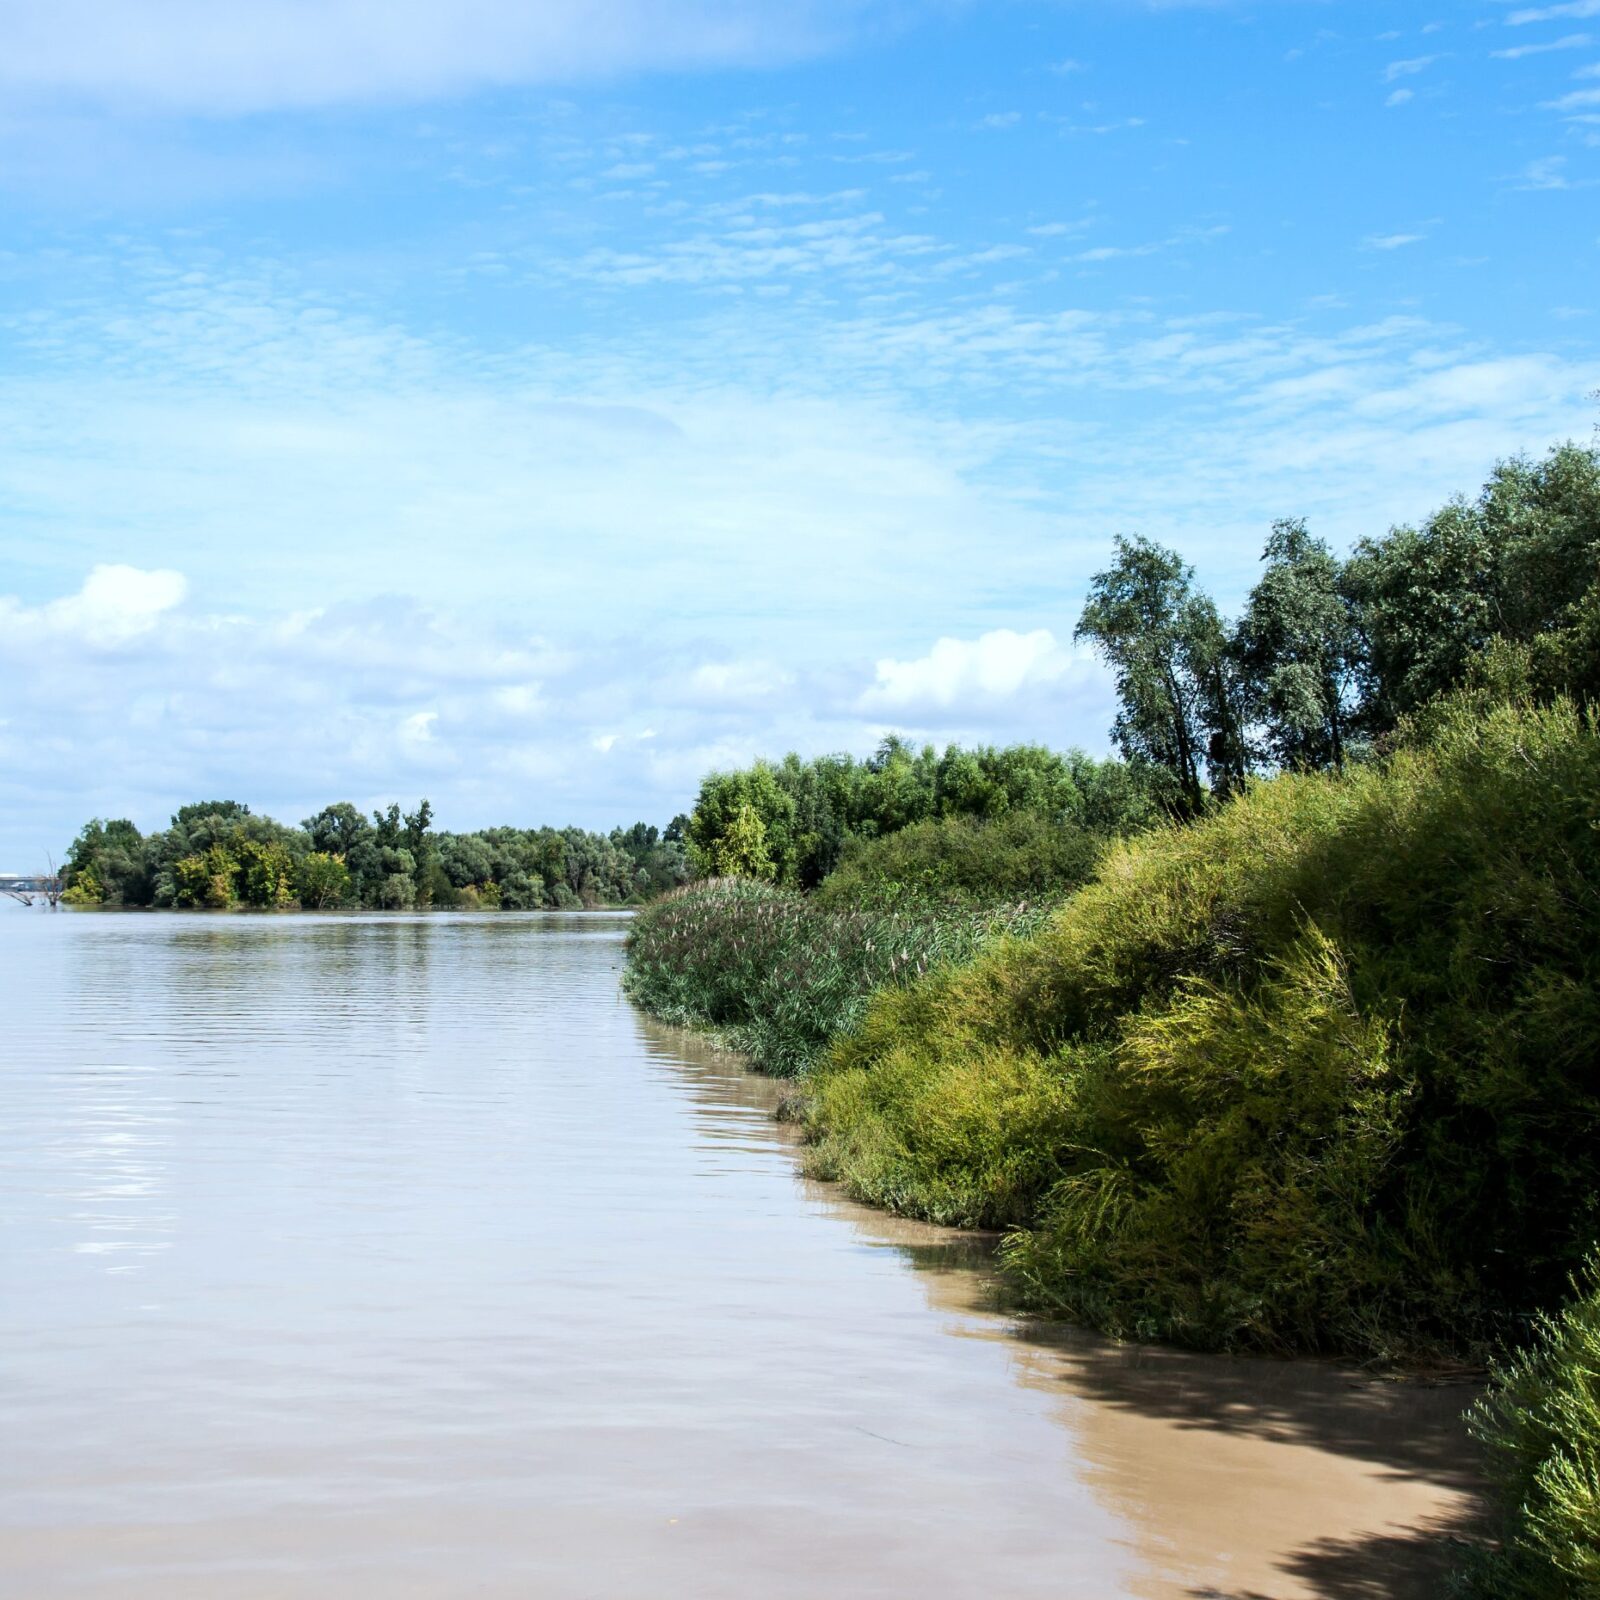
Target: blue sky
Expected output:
[533,405]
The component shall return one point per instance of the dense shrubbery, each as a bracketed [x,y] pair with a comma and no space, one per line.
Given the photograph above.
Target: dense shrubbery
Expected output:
[1316,1072]
[1541,1422]
[779,975]
[218,854]
[963,861]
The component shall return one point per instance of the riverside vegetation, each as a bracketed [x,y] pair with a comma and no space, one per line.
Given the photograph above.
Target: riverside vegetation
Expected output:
[218,855]
[1303,1053]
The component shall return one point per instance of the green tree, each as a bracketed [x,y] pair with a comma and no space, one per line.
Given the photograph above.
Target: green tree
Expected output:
[724,799]
[1511,566]
[1142,616]
[337,829]
[1300,650]
[324,881]
[108,863]
[741,851]
[207,879]
[265,875]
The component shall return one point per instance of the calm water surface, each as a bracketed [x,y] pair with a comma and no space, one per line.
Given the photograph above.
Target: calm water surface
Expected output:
[393,1257]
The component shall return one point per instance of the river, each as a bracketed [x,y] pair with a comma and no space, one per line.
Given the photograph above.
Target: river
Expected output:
[400,1257]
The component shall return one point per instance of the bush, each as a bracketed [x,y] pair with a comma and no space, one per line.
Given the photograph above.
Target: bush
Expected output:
[779,974]
[963,861]
[1315,1072]
[1541,1423]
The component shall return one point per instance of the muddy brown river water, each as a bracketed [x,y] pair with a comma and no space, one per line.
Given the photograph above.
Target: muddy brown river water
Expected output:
[383,1257]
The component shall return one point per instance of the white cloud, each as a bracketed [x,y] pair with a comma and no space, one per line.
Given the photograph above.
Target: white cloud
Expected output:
[1546,173]
[116,606]
[1400,97]
[737,682]
[1578,100]
[1392,241]
[996,666]
[1573,8]
[1572,41]
[1407,69]
[196,55]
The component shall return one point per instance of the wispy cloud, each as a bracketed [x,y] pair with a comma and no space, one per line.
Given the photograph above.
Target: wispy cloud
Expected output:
[1572,41]
[1407,69]
[1571,8]
[192,55]
[1549,172]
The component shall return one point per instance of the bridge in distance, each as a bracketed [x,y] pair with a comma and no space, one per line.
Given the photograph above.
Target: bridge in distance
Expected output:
[43,888]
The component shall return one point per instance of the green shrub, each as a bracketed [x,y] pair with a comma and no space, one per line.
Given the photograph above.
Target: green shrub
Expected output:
[1325,1060]
[1541,1423]
[963,861]
[780,975]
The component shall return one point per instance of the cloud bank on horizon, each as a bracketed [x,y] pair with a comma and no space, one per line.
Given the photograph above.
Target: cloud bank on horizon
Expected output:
[535,405]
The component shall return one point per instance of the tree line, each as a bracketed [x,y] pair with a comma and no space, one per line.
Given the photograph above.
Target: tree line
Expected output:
[219,855]
[790,822]
[1328,656]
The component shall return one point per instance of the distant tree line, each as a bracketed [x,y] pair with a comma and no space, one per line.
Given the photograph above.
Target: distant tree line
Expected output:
[218,854]
[1329,656]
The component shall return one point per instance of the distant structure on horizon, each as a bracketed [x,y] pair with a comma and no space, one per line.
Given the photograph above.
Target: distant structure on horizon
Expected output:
[29,888]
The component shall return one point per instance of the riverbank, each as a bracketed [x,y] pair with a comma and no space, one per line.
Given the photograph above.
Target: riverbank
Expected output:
[1311,1074]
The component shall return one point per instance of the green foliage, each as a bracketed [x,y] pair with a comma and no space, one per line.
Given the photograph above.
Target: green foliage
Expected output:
[779,975]
[218,854]
[1329,656]
[1298,647]
[1541,1424]
[744,822]
[1512,565]
[741,851]
[324,881]
[791,823]
[963,861]
[205,879]
[107,864]
[1327,1058]
[1164,642]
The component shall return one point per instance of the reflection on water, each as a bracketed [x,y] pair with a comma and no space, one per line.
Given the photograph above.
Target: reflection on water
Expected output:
[400,1257]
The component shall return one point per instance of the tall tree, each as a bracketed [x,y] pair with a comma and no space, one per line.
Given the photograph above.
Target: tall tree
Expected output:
[1142,616]
[1210,652]
[1299,648]
[1513,565]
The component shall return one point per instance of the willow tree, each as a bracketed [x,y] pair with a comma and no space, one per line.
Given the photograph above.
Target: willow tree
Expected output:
[1299,647]
[1177,683]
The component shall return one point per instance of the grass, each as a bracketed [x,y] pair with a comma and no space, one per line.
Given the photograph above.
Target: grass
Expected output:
[778,975]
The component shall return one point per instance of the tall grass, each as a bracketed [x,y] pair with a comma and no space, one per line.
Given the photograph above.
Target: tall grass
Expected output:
[780,976]
[1318,1072]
